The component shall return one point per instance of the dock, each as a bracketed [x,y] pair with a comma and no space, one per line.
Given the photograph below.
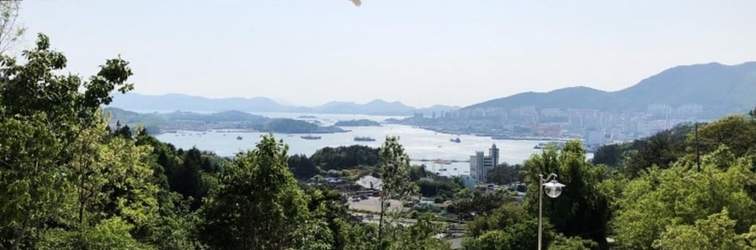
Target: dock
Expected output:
[439,161]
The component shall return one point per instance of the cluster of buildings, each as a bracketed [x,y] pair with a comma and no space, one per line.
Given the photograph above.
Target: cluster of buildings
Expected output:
[594,126]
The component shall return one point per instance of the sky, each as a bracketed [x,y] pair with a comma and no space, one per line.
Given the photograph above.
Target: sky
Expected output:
[419,52]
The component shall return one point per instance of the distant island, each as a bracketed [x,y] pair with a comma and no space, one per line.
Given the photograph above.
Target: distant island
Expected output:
[358,123]
[157,123]
[307,117]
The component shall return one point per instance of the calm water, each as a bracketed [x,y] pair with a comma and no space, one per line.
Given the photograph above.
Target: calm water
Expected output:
[418,143]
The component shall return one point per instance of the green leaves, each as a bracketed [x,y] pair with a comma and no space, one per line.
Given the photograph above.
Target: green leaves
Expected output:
[395,169]
[258,204]
[57,164]
[32,187]
[661,205]
[735,132]
[583,208]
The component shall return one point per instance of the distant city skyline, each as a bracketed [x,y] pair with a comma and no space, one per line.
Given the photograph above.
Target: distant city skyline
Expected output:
[420,53]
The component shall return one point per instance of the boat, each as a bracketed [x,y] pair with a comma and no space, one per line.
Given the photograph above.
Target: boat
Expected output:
[457,140]
[543,145]
[440,161]
[239,138]
[310,137]
[360,138]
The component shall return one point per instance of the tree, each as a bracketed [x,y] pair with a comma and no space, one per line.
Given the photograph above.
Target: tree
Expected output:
[10,32]
[420,236]
[610,155]
[501,218]
[505,174]
[258,204]
[520,236]
[302,167]
[582,209]
[42,114]
[110,234]
[32,190]
[395,170]
[715,232]
[109,176]
[736,132]
[662,204]
[658,150]
[469,203]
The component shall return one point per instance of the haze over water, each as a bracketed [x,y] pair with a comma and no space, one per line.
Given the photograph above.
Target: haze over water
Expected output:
[419,143]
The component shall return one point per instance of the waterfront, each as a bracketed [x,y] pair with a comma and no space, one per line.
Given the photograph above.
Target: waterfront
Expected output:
[419,143]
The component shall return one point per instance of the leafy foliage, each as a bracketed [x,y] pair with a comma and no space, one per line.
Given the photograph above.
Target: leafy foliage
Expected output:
[679,196]
[582,209]
[342,157]
[505,174]
[70,181]
[258,204]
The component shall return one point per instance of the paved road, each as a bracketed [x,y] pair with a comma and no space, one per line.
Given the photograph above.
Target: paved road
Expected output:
[373,204]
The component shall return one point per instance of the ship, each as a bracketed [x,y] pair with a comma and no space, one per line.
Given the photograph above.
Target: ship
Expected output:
[359,138]
[310,137]
[239,137]
[457,140]
[543,145]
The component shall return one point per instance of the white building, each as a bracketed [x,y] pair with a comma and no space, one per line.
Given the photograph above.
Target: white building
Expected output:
[480,164]
[370,182]
[594,137]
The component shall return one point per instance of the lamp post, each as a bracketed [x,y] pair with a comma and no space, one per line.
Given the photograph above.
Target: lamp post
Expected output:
[553,190]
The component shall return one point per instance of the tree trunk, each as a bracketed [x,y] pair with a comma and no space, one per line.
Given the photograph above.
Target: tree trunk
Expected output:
[20,235]
[380,224]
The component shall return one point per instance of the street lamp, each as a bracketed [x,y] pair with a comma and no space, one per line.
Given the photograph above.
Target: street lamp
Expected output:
[553,190]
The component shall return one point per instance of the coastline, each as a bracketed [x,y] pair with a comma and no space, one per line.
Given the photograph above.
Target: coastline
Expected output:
[497,137]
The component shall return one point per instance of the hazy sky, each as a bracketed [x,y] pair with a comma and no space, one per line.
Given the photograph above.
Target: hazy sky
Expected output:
[420,52]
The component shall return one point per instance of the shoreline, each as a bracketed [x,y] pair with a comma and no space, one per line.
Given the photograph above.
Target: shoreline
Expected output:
[496,137]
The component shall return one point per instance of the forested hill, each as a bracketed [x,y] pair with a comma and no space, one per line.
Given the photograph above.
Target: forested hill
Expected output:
[179,120]
[721,89]
[737,133]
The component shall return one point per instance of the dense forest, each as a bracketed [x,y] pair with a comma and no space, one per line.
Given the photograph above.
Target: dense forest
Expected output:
[70,181]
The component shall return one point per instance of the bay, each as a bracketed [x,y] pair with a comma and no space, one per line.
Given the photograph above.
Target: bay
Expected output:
[418,143]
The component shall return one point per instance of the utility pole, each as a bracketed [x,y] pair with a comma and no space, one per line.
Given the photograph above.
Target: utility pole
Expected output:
[698,152]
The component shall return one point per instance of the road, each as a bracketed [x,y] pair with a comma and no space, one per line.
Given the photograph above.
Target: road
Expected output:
[373,204]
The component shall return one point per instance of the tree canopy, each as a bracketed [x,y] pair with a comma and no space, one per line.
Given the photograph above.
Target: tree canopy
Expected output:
[69,180]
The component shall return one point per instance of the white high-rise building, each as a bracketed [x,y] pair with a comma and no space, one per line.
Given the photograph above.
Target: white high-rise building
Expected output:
[480,164]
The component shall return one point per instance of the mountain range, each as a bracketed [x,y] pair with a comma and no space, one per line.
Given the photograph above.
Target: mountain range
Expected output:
[173,102]
[720,89]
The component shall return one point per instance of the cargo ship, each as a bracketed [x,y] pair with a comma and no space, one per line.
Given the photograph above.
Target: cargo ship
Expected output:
[359,138]
[310,137]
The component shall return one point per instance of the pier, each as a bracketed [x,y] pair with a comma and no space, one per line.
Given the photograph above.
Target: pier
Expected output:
[439,161]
